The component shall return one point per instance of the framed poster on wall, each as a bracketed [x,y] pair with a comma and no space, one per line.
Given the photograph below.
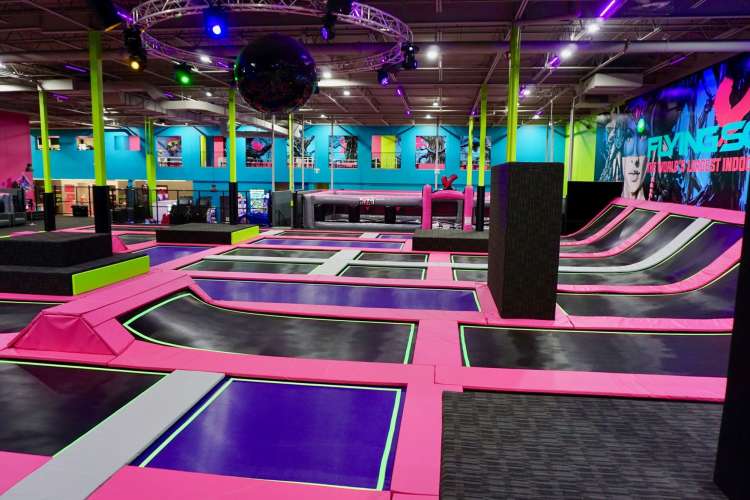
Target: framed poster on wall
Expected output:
[430,152]
[343,151]
[258,152]
[475,151]
[386,151]
[169,151]
[304,156]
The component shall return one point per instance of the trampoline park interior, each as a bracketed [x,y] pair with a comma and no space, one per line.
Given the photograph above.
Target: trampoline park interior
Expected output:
[408,250]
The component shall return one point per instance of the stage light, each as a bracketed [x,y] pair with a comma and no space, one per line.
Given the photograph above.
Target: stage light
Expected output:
[567,52]
[347,93]
[215,20]
[323,116]
[384,78]
[429,117]
[137,57]
[328,30]
[433,53]
[640,127]
[209,94]
[327,75]
[536,116]
[593,28]
[526,92]
[183,74]
[435,104]
[410,52]
[205,59]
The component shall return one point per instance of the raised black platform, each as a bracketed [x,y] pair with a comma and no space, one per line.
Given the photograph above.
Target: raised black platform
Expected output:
[56,249]
[221,234]
[450,240]
[71,280]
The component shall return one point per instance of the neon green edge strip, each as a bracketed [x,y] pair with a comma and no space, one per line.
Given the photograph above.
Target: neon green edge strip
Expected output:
[464,351]
[386,449]
[103,276]
[244,234]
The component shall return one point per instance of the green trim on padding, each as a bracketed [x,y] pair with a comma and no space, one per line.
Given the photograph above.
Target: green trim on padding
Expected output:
[106,275]
[244,234]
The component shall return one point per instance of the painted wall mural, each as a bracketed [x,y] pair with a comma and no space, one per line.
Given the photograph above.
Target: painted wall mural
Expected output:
[686,143]
[343,151]
[475,152]
[430,151]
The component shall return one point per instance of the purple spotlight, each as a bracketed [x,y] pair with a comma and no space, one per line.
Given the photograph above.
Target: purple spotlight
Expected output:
[554,62]
[384,78]
[400,91]
[73,67]
[59,97]
[607,8]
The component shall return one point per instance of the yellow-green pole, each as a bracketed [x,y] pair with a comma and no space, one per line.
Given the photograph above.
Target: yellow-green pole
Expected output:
[291,152]
[482,136]
[514,77]
[470,156]
[49,190]
[232,156]
[102,214]
[150,162]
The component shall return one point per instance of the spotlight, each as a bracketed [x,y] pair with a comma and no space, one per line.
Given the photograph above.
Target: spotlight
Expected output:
[339,6]
[433,53]
[327,75]
[183,74]
[137,58]
[536,116]
[215,20]
[347,92]
[410,56]
[526,92]
[209,94]
[400,91]
[205,59]
[567,52]
[328,30]
[640,127]
[429,117]
[323,116]
[435,104]
[384,78]
[593,28]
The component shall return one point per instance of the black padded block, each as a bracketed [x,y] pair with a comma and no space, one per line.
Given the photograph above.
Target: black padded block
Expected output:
[733,457]
[524,246]
[55,249]
[449,240]
[47,280]
[200,233]
[586,199]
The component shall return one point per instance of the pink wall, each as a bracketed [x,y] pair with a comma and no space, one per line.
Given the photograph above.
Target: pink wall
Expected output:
[15,152]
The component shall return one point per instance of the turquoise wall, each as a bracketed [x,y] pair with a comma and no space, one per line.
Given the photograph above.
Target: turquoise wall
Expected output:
[69,163]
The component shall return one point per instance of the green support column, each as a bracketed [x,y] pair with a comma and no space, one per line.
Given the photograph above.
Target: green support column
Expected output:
[479,215]
[470,154]
[150,163]
[49,190]
[232,156]
[102,215]
[514,77]
[291,152]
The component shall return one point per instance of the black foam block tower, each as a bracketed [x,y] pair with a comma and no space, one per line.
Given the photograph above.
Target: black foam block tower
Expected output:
[524,243]
[733,457]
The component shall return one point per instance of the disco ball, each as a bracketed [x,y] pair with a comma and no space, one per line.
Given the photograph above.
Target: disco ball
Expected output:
[275,74]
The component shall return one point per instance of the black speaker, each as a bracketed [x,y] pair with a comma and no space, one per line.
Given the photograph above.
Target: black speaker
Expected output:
[105,14]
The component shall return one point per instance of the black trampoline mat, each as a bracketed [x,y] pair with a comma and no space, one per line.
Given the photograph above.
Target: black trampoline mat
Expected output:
[470,275]
[692,258]
[469,259]
[183,320]
[529,446]
[392,257]
[321,234]
[715,300]
[15,316]
[597,224]
[45,407]
[132,239]
[662,353]
[654,241]
[404,273]
[621,232]
[268,252]
[238,266]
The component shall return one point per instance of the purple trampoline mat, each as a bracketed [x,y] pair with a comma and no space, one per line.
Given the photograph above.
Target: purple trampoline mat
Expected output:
[341,295]
[164,253]
[330,243]
[405,236]
[330,435]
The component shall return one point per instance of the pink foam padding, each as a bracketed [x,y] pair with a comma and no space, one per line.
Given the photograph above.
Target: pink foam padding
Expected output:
[29,297]
[58,356]
[404,496]
[603,231]
[5,339]
[55,332]
[416,469]
[16,466]
[408,246]
[584,383]
[21,233]
[118,246]
[193,258]
[146,355]
[442,273]
[487,303]
[721,265]
[141,246]
[468,208]
[437,343]
[651,324]
[426,207]
[629,242]
[147,483]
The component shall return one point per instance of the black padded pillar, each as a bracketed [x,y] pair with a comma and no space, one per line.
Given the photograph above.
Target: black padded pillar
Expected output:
[479,224]
[733,457]
[524,246]
[233,204]
[102,212]
[49,212]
